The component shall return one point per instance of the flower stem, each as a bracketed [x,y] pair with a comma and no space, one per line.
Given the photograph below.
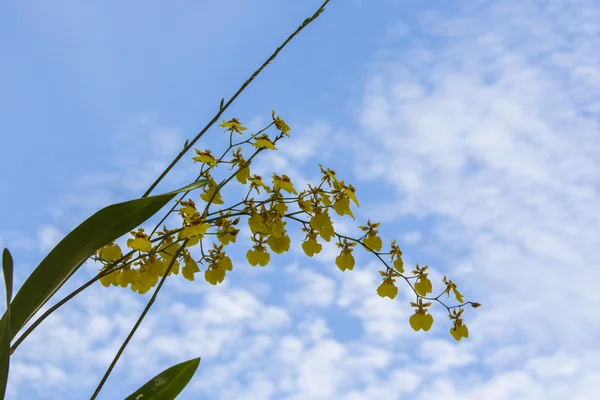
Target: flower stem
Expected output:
[231,100]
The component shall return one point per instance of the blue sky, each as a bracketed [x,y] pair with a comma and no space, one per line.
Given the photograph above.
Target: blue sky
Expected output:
[470,130]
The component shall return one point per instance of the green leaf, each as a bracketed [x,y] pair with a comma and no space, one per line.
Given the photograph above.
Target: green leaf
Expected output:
[5,337]
[97,231]
[168,384]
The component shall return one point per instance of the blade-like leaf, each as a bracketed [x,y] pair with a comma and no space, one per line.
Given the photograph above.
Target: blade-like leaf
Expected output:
[5,337]
[168,384]
[95,232]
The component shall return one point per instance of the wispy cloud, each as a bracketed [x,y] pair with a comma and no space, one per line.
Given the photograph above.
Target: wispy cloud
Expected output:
[492,129]
[486,127]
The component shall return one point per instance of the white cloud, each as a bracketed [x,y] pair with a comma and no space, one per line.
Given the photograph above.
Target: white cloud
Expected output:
[315,290]
[48,237]
[305,142]
[497,131]
[490,130]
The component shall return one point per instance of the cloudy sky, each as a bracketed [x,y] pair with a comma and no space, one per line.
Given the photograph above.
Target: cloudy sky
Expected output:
[469,128]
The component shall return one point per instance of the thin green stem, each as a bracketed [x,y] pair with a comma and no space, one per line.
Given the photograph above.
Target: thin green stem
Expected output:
[186,148]
[137,324]
[104,272]
[222,109]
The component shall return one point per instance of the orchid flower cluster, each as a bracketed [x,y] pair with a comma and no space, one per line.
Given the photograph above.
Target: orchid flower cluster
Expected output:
[151,254]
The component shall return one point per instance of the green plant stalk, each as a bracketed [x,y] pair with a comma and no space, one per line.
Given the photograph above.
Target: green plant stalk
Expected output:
[138,322]
[178,158]
[222,108]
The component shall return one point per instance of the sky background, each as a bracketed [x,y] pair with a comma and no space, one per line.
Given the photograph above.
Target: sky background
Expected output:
[469,128]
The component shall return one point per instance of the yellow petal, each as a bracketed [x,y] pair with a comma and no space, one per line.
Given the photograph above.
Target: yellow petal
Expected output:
[243,175]
[342,207]
[399,265]
[420,289]
[190,268]
[279,245]
[464,331]
[311,247]
[194,230]
[225,263]
[373,242]
[305,204]
[352,196]
[210,160]
[140,244]
[426,322]
[257,225]
[456,333]
[264,143]
[282,126]
[387,290]
[416,322]
[111,252]
[345,261]
[263,258]
[252,257]
[458,295]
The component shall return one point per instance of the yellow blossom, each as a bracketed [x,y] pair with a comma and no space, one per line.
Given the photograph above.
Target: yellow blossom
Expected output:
[243,175]
[210,191]
[205,157]
[280,208]
[311,247]
[154,266]
[224,262]
[191,231]
[256,182]
[121,279]
[328,175]
[458,295]
[459,332]
[214,276]
[140,242]
[228,235]
[190,268]
[257,224]
[373,242]
[350,192]
[387,289]
[420,321]
[234,125]
[399,265]
[188,209]
[283,182]
[423,285]
[345,261]
[264,142]
[342,207]
[110,252]
[258,257]
[277,227]
[280,124]
[321,223]
[110,279]
[325,199]
[305,205]
[279,245]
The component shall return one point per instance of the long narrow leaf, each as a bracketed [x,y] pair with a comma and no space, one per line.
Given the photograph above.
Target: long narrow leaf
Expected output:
[5,338]
[169,383]
[95,232]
